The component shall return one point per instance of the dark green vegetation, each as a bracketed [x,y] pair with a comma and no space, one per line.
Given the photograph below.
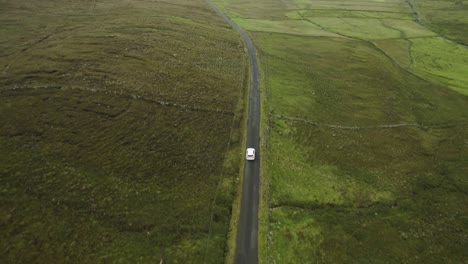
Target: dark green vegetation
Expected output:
[448,17]
[119,124]
[366,155]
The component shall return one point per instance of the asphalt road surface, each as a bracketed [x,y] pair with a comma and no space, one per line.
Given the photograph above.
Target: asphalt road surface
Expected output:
[246,243]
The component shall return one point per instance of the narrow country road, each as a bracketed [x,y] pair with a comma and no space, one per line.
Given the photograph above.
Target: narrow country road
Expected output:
[246,242]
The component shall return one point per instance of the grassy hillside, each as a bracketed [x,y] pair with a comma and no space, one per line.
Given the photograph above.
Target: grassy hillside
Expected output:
[449,17]
[119,132]
[366,161]
[366,133]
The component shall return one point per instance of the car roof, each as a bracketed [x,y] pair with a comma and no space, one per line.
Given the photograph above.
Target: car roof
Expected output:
[250,150]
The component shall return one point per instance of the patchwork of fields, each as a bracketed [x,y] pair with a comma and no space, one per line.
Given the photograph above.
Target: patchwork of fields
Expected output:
[365,132]
[391,26]
[120,132]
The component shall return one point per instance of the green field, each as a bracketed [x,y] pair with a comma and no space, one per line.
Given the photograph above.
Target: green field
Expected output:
[340,180]
[448,17]
[365,134]
[120,133]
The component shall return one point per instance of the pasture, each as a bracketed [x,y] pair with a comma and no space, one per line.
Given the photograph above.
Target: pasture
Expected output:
[365,134]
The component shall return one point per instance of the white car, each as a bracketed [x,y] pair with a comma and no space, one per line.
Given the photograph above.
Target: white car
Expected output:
[250,154]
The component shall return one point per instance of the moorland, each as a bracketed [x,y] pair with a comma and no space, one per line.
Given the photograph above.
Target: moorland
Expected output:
[120,131]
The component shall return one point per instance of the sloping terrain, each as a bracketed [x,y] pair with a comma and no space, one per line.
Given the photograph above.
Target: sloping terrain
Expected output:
[365,133]
[367,162]
[448,18]
[119,132]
